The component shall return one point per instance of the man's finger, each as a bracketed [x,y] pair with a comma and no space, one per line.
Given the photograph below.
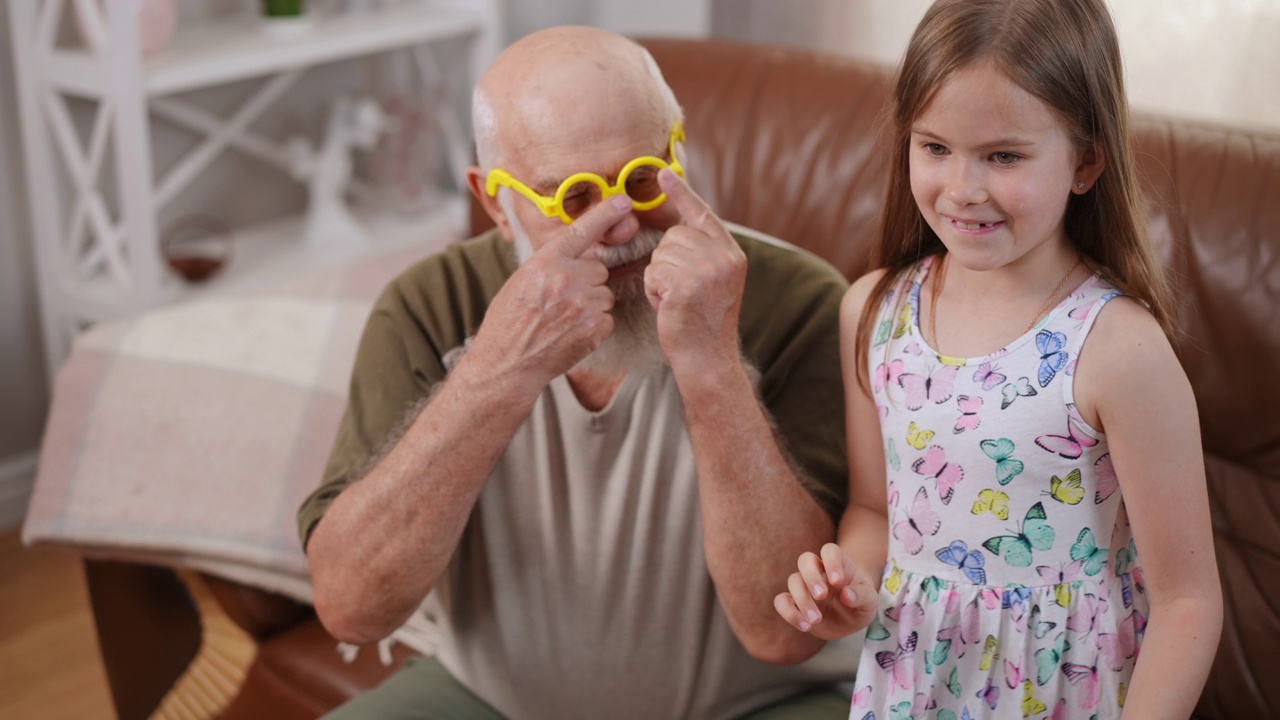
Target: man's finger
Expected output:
[587,230]
[696,213]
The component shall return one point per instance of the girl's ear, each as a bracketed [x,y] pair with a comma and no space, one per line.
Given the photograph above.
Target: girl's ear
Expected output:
[1093,160]
[475,181]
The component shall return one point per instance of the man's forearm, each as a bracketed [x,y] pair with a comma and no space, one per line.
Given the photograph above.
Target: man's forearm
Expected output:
[757,516]
[384,542]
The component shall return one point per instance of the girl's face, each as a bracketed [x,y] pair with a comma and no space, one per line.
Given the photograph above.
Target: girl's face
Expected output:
[992,167]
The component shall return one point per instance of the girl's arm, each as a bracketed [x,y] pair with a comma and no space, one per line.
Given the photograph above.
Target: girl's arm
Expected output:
[834,591]
[1143,401]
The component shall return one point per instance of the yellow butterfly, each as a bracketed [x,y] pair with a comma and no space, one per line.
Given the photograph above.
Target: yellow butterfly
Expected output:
[917,437]
[988,653]
[1067,489]
[993,501]
[904,322]
[948,360]
[1124,693]
[1030,705]
[894,581]
[1062,594]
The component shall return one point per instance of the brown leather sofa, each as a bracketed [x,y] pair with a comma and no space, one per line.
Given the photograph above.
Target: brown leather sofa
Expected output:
[785,141]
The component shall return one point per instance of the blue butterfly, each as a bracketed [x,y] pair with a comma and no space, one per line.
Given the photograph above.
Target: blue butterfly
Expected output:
[1015,596]
[971,562]
[1052,357]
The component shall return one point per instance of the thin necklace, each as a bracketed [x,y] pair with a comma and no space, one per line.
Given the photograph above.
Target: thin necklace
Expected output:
[937,290]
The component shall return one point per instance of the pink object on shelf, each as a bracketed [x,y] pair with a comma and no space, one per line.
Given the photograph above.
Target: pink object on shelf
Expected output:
[157,20]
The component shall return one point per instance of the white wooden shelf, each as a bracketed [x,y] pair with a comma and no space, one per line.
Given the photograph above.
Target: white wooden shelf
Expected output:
[95,200]
[241,47]
[274,252]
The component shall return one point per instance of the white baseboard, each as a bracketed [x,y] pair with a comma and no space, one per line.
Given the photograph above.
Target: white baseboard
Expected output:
[17,478]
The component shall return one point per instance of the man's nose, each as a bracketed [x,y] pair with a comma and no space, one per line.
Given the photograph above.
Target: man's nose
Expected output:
[621,232]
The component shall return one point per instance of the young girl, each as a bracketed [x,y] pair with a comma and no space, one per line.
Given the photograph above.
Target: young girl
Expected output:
[1008,372]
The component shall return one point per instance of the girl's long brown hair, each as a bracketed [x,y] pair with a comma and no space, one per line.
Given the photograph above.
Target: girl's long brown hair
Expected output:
[1065,53]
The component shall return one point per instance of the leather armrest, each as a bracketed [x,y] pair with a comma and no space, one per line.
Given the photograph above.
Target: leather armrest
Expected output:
[258,612]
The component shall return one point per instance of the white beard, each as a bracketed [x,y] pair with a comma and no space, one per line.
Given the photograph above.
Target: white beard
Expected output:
[633,346]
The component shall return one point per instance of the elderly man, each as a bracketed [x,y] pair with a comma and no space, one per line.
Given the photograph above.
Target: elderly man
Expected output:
[592,459]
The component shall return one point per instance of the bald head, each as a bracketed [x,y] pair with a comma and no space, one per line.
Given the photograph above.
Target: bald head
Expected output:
[554,85]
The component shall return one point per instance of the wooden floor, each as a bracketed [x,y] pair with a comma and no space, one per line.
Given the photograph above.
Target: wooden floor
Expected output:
[50,668]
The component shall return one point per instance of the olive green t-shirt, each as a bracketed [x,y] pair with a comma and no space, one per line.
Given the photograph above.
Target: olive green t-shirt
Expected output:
[579,587]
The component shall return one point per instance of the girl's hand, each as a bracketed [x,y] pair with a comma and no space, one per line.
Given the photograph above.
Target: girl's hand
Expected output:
[828,597]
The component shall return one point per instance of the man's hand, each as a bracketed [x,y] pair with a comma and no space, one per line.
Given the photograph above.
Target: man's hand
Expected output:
[695,280]
[555,309]
[827,598]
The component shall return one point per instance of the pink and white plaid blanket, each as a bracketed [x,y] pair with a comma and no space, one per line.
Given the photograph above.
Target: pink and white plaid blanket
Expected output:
[188,436]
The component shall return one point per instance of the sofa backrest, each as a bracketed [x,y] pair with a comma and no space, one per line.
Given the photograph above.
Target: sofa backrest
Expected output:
[785,141]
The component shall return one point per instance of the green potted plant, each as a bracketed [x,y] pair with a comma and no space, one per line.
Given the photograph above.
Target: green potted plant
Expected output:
[283,8]
[285,17]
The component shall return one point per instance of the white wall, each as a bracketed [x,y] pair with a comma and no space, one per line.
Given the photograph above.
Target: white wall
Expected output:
[1212,60]
[684,18]
[23,386]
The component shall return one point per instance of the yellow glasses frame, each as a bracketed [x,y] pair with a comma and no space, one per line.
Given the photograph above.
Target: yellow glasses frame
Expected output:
[554,206]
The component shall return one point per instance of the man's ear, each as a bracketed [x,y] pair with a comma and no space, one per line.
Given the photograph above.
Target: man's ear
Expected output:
[493,208]
[1093,160]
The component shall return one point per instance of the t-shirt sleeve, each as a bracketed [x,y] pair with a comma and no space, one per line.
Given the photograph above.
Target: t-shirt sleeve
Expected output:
[390,376]
[791,332]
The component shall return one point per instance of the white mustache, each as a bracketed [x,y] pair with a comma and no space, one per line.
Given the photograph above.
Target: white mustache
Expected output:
[641,245]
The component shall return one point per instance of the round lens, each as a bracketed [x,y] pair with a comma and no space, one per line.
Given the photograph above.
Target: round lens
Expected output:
[580,197]
[642,183]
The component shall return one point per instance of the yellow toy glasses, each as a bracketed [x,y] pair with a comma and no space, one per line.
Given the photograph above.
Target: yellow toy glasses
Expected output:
[638,180]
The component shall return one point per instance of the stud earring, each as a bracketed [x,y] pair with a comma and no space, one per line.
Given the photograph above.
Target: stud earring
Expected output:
[1079,186]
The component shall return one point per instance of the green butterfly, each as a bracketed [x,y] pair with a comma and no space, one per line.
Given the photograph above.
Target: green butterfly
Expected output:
[1086,550]
[947,714]
[891,454]
[953,683]
[877,630]
[901,711]
[1048,659]
[936,656]
[882,333]
[1124,557]
[932,587]
[1006,467]
[1038,626]
[1034,533]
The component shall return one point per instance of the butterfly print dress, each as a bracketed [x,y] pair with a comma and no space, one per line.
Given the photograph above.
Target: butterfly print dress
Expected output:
[1012,587]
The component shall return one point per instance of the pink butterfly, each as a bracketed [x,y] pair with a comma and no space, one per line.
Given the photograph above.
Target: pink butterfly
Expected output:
[862,698]
[921,520]
[913,347]
[887,374]
[934,464]
[1123,644]
[991,598]
[1071,445]
[899,663]
[969,407]
[893,495]
[1012,674]
[1107,481]
[909,617]
[1085,678]
[938,386]
[989,376]
[1085,618]
[1059,710]
[967,630]
[1062,574]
